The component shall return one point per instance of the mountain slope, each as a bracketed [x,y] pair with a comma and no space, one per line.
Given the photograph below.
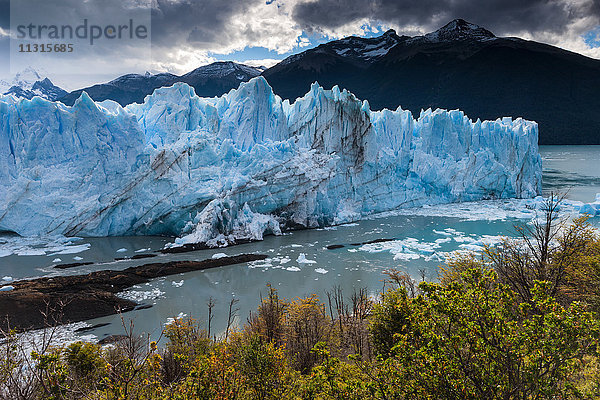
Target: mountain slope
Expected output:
[459,66]
[43,88]
[208,81]
[29,83]
[24,79]
[125,89]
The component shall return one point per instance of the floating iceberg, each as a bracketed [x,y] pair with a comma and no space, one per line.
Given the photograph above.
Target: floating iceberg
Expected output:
[236,167]
[590,209]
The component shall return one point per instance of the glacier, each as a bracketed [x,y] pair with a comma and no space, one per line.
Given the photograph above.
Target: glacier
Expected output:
[236,167]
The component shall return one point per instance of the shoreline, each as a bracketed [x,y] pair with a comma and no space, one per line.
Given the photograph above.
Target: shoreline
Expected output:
[48,301]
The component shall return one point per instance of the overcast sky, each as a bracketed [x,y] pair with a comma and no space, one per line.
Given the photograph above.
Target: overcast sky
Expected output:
[188,33]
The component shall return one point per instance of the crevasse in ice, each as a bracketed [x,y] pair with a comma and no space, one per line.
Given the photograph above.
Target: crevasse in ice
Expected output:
[244,164]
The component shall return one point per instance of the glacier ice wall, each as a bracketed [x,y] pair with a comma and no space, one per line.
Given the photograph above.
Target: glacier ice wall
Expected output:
[236,167]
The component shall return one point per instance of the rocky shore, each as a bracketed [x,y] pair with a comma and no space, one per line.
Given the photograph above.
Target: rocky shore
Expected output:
[37,303]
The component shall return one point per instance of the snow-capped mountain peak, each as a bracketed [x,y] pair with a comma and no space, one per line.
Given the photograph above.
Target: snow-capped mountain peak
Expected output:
[23,79]
[367,49]
[224,68]
[29,83]
[26,78]
[126,78]
[362,50]
[459,29]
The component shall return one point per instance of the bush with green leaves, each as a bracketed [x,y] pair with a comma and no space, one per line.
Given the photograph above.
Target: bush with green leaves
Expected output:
[470,339]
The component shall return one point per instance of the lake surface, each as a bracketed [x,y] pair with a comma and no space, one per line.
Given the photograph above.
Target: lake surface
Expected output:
[299,263]
[575,169]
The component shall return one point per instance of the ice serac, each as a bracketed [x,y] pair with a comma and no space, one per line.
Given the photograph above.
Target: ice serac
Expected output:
[219,170]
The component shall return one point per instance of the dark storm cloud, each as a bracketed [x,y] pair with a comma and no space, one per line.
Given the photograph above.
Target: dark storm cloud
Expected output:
[198,21]
[4,41]
[5,14]
[595,7]
[500,16]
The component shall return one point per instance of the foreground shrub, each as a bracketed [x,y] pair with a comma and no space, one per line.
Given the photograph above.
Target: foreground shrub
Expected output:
[85,365]
[186,344]
[565,255]
[306,325]
[580,252]
[391,317]
[265,369]
[470,339]
[269,320]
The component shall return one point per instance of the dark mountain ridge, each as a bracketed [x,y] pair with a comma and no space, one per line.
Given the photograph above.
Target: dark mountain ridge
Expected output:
[208,81]
[460,66]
